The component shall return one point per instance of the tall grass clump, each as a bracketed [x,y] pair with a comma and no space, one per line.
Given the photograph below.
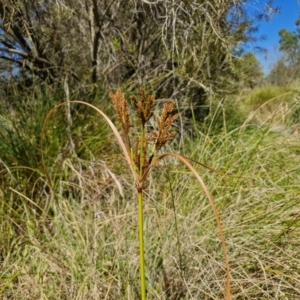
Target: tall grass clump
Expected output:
[79,240]
[261,201]
[140,146]
[264,94]
[21,123]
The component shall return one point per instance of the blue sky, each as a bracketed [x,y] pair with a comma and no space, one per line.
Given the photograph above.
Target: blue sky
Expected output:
[286,18]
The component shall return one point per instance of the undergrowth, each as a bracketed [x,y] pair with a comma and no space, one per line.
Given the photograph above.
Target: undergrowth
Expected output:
[83,245]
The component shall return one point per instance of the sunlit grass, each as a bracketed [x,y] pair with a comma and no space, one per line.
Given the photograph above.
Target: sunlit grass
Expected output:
[82,243]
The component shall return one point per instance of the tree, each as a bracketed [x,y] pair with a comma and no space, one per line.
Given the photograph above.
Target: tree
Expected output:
[287,67]
[290,45]
[281,73]
[249,71]
[182,49]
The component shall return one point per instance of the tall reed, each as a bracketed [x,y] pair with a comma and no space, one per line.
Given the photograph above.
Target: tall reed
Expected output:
[141,150]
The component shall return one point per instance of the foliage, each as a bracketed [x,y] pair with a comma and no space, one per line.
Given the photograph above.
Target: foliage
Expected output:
[287,69]
[225,116]
[21,124]
[249,71]
[142,157]
[87,249]
[275,107]
[281,74]
[265,94]
[290,44]
[179,49]
[77,239]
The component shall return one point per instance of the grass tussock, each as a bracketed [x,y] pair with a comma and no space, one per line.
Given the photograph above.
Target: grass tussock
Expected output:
[274,107]
[80,241]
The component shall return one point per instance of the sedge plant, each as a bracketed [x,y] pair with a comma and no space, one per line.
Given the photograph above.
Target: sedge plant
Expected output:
[141,149]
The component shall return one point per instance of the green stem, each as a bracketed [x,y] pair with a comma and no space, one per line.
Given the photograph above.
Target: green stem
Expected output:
[141,218]
[142,150]
[141,244]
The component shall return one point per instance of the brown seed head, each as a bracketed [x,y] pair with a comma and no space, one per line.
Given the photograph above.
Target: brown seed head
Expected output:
[163,134]
[120,105]
[144,106]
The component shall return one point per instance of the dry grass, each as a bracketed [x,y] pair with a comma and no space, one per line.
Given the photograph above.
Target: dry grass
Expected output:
[86,246]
